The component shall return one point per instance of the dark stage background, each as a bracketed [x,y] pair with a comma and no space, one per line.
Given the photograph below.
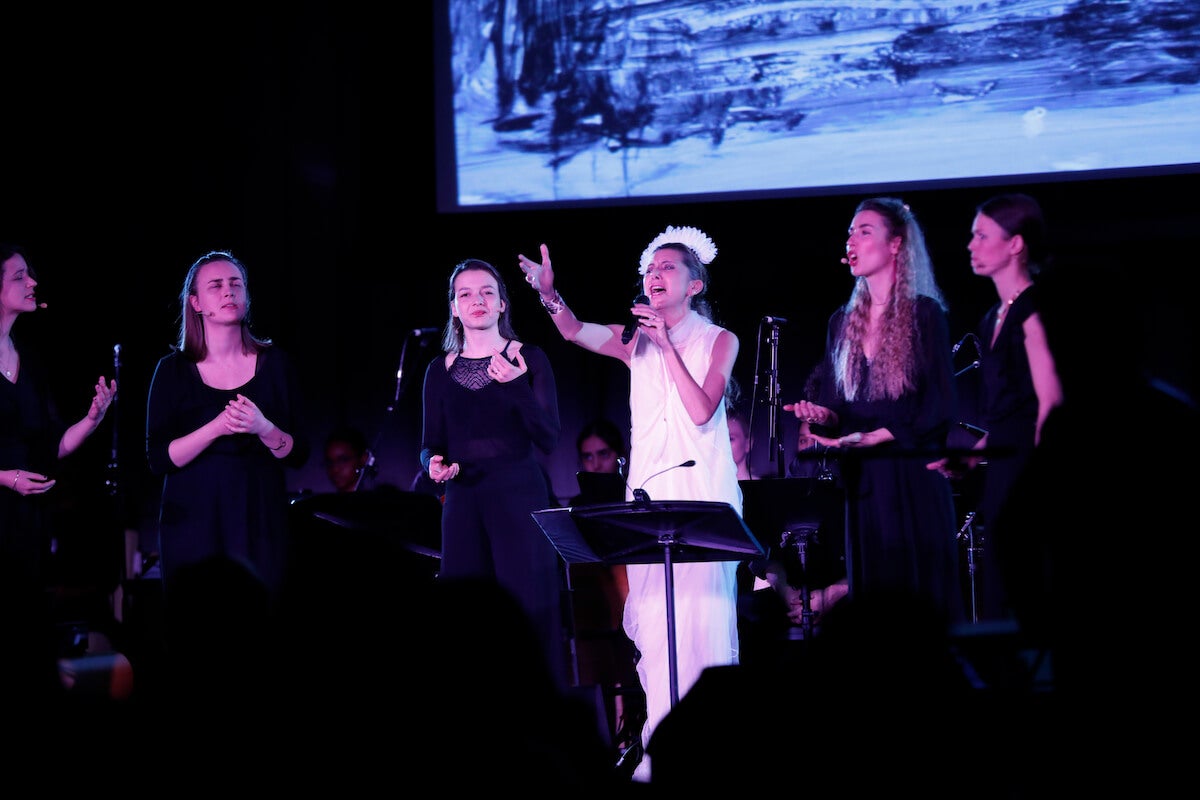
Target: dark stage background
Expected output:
[305,143]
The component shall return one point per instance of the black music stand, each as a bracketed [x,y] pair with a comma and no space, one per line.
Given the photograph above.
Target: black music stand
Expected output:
[404,527]
[650,532]
[804,520]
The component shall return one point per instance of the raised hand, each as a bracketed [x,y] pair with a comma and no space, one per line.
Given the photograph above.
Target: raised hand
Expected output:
[539,275]
[105,393]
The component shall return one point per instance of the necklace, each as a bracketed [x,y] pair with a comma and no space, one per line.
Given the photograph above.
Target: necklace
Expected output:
[1003,311]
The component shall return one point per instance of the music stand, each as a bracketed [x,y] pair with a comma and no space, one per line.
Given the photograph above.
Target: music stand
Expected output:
[804,519]
[382,522]
[650,532]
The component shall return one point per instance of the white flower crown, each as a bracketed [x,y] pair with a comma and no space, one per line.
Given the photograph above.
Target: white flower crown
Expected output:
[694,238]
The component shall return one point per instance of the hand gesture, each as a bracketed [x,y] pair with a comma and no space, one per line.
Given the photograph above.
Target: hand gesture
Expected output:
[26,483]
[502,370]
[811,413]
[439,471]
[539,276]
[105,394]
[651,324]
[243,416]
[954,468]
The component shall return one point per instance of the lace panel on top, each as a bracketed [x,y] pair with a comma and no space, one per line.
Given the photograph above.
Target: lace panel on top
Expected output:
[471,373]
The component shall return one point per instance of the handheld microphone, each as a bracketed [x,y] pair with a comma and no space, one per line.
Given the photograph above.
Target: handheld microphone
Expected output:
[639,494]
[421,333]
[774,320]
[42,305]
[632,326]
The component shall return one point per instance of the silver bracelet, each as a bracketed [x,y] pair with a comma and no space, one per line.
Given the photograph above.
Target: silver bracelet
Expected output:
[555,304]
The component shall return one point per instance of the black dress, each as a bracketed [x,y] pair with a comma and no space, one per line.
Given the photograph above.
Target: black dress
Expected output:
[231,500]
[492,430]
[1009,415]
[900,515]
[30,430]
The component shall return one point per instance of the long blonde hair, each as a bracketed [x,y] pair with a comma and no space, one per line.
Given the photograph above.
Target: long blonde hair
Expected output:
[894,365]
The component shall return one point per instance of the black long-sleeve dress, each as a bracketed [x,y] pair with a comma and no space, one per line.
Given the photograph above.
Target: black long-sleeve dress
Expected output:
[901,522]
[231,500]
[491,430]
[30,430]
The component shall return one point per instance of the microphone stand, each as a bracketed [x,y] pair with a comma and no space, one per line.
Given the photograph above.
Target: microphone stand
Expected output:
[400,373]
[967,533]
[114,408]
[776,441]
[113,486]
[371,469]
[799,541]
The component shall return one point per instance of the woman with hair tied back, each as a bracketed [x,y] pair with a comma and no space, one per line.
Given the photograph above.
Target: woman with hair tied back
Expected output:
[1019,380]
[680,364]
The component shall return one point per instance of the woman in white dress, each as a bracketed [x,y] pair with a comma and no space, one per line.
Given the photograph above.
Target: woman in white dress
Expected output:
[680,365]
